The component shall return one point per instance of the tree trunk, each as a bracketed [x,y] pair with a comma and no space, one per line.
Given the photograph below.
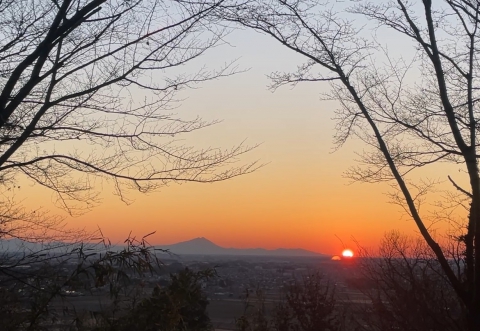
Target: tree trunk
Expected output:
[473,318]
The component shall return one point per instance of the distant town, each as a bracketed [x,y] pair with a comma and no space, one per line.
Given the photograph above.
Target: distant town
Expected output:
[237,271]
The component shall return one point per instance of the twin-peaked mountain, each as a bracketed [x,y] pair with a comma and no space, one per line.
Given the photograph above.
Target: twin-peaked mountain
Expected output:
[203,246]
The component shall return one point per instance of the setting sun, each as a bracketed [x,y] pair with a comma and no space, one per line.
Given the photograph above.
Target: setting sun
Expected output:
[347,253]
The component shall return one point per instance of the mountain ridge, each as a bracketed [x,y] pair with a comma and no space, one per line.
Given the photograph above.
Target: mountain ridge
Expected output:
[195,246]
[204,246]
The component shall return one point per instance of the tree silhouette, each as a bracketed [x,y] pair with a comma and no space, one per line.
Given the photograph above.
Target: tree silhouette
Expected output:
[179,306]
[407,288]
[412,109]
[308,305]
[86,92]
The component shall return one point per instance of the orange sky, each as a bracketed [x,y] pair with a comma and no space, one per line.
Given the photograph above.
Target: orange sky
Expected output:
[299,199]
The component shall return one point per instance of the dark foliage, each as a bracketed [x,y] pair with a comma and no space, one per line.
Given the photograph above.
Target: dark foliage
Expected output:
[180,306]
[308,305]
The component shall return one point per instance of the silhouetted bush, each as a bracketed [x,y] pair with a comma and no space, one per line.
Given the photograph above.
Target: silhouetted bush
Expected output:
[308,305]
[178,307]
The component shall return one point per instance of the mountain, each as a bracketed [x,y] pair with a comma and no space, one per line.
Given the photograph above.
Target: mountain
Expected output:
[203,246]
[197,246]
[18,245]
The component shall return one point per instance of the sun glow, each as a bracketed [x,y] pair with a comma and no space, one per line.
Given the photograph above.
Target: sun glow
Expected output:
[347,253]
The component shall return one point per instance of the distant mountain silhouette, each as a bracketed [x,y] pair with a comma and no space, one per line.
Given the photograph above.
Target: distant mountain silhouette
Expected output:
[16,245]
[203,246]
[20,246]
[198,246]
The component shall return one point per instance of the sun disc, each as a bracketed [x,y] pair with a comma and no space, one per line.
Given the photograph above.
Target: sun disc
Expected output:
[347,253]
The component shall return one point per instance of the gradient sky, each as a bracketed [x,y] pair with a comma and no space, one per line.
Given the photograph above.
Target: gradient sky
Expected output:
[299,199]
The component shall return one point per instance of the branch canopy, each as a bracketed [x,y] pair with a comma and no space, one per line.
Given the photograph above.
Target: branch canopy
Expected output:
[87,88]
[406,76]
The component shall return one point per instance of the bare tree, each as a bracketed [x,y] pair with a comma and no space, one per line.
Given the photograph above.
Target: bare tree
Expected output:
[412,109]
[86,92]
[406,288]
[308,304]
[29,239]
[35,288]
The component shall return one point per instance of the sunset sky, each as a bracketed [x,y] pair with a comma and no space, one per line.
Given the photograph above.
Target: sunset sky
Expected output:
[300,198]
